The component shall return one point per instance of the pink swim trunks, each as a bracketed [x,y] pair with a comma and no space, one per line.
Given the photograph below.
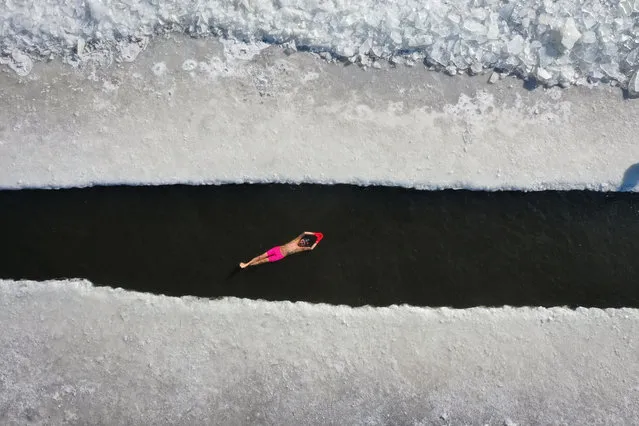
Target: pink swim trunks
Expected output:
[275,254]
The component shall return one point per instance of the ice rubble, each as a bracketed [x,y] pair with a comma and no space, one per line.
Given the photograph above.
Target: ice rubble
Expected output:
[555,42]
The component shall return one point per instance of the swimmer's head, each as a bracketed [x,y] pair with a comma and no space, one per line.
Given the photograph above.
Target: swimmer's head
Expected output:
[307,241]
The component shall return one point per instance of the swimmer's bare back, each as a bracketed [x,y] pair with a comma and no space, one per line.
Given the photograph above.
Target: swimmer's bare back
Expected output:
[303,242]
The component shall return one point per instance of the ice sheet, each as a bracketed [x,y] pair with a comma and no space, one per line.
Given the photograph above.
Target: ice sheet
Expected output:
[71,352]
[185,112]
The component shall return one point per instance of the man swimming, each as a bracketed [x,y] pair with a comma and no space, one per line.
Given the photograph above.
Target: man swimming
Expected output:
[304,242]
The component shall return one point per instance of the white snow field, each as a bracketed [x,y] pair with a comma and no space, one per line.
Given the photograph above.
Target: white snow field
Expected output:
[74,354]
[202,111]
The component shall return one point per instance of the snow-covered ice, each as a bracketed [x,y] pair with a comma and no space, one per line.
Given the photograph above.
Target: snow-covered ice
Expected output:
[563,41]
[73,353]
[202,112]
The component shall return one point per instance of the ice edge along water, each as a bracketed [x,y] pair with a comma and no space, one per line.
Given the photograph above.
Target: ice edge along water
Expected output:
[21,288]
[554,42]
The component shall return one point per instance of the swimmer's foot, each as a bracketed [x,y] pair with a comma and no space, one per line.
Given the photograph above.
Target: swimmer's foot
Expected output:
[243,265]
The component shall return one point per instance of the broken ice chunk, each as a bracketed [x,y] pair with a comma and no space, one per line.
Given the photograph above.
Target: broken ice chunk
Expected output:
[612,71]
[589,21]
[631,58]
[474,26]
[589,54]
[396,37]
[516,45]
[545,19]
[595,75]
[567,73]
[366,46]
[493,28]
[506,11]
[494,78]
[347,51]
[589,37]
[547,55]
[476,68]
[439,54]
[289,47]
[479,13]
[625,8]
[569,34]
[543,74]
[365,60]
[633,85]
[79,49]
[511,63]
[460,62]
[489,58]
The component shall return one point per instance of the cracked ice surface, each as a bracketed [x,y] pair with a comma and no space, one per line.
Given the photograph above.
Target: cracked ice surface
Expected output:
[556,42]
[72,353]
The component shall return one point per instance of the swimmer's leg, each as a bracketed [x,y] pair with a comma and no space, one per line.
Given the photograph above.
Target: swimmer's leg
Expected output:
[262,258]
